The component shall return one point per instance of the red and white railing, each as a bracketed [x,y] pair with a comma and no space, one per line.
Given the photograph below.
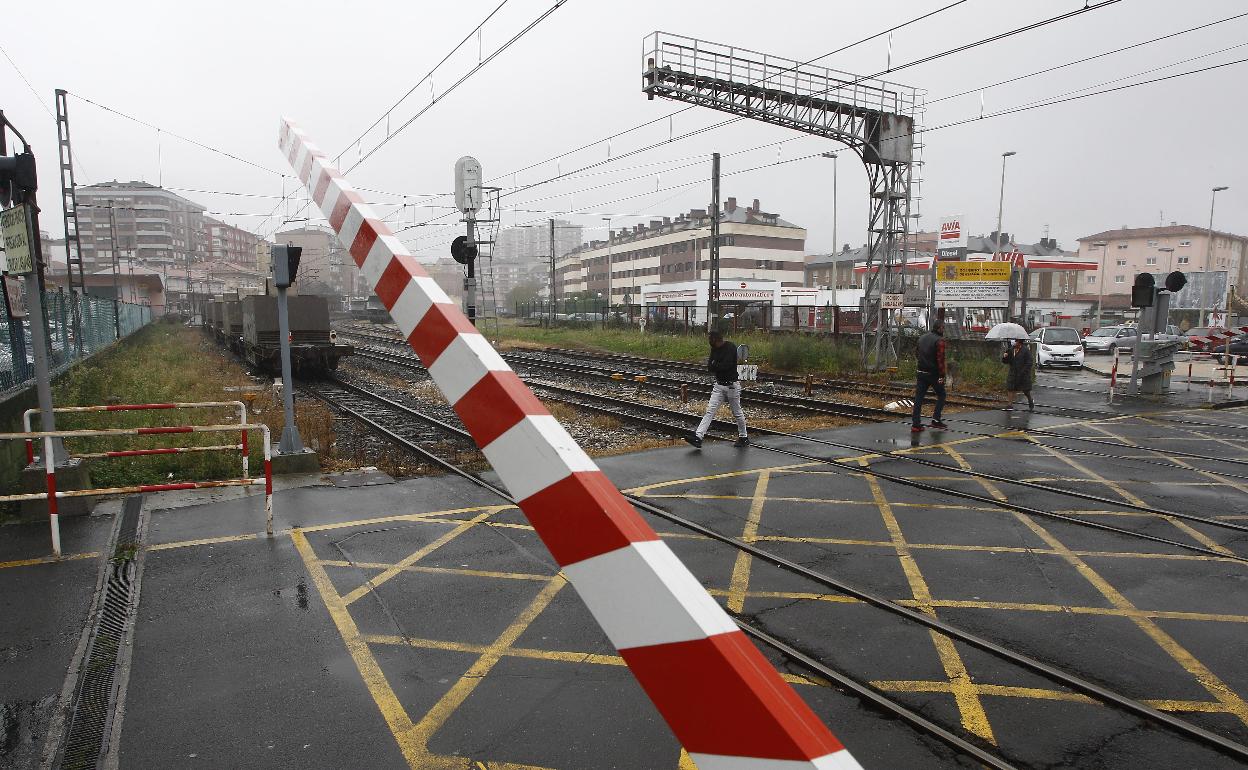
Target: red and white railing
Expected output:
[239,405]
[1216,338]
[53,494]
[723,700]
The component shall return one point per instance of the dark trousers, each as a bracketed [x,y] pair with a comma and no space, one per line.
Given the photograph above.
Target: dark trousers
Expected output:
[924,381]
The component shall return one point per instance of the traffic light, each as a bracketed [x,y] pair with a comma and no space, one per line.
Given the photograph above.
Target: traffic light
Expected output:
[285,265]
[1142,290]
[1175,282]
[462,251]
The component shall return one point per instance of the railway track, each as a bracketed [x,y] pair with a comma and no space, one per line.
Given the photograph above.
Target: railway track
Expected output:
[676,423]
[352,400]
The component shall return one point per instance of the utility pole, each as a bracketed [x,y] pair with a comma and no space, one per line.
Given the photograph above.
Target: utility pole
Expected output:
[610,267]
[712,297]
[112,223]
[1204,286]
[552,273]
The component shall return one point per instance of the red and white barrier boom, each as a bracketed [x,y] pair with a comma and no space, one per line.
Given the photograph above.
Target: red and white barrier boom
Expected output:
[723,700]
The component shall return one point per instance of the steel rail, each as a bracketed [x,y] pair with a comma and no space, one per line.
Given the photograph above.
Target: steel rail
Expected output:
[862,691]
[1113,504]
[1073,681]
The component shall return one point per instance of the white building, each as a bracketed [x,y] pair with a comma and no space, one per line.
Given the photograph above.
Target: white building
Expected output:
[754,246]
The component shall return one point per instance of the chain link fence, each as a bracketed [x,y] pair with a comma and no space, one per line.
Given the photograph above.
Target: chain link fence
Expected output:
[101,322]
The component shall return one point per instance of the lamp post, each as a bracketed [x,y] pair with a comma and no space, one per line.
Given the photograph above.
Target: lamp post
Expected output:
[1100,282]
[832,155]
[1000,211]
[1204,286]
[610,267]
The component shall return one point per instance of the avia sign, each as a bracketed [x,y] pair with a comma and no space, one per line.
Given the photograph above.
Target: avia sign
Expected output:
[951,243]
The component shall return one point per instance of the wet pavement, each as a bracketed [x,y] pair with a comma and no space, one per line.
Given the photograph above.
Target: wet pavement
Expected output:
[422,623]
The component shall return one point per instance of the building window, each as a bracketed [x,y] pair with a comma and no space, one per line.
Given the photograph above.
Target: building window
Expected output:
[1150,261]
[1122,263]
[1122,245]
[1119,279]
[1152,243]
[1091,279]
[1185,242]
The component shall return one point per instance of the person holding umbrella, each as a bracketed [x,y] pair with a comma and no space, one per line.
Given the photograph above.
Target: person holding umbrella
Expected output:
[1019,375]
[1018,357]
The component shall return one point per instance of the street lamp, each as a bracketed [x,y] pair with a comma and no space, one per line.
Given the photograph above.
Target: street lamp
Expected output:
[1100,289]
[1204,286]
[832,155]
[1001,199]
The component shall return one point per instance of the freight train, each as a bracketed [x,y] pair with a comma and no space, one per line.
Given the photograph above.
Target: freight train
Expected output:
[248,326]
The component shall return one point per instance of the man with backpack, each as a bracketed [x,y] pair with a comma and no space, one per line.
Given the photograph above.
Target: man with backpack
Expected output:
[722,363]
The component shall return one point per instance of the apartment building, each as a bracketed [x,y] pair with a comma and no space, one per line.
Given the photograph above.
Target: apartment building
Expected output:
[754,245]
[153,225]
[1128,251]
[225,243]
[324,266]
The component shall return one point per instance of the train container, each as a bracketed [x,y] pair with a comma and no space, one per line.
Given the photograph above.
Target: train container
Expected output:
[232,324]
[312,350]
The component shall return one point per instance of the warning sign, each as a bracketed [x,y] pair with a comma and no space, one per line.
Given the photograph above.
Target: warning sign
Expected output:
[16,243]
[973,284]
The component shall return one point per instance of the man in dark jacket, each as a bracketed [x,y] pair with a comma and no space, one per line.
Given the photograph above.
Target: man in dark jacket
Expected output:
[723,364]
[930,373]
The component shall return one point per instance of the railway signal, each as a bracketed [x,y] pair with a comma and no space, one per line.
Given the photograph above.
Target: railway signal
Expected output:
[285,261]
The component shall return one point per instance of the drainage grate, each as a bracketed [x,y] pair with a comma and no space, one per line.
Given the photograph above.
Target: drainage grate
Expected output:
[90,717]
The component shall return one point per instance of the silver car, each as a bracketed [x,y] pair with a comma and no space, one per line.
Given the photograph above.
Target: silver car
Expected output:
[1108,339]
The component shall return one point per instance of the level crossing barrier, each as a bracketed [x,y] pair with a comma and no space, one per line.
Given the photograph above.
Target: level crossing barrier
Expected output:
[239,405]
[723,700]
[53,494]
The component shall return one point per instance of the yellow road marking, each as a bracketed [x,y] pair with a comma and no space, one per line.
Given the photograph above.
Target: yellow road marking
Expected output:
[1206,678]
[392,711]
[397,569]
[437,570]
[741,568]
[48,559]
[974,718]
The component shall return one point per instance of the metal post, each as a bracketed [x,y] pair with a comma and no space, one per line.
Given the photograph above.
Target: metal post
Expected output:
[712,298]
[552,273]
[470,283]
[290,442]
[610,267]
[1100,284]
[112,223]
[1000,212]
[1204,287]
[39,332]
[832,155]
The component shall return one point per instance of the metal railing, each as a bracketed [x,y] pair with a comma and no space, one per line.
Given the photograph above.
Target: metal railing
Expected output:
[103,322]
[53,494]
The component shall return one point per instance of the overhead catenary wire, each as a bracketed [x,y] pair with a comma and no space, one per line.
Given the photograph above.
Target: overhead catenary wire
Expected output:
[924,60]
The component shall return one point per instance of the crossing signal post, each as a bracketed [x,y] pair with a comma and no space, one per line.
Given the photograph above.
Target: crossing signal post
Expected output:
[285,267]
[468,199]
[24,257]
[1154,357]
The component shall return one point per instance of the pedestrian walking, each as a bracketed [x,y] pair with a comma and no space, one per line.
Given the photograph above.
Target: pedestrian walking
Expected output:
[929,375]
[1019,375]
[722,363]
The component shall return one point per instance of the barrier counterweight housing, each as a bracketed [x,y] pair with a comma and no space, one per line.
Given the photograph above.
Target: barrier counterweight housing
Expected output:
[722,699]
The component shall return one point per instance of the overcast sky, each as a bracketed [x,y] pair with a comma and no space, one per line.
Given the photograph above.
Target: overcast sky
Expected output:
[224,73]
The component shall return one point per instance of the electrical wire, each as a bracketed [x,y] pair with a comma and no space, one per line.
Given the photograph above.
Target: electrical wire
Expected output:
[427,76]
[175,135]
[1087,59]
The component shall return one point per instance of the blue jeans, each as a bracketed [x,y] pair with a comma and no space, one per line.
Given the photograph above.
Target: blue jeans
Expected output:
[924,381]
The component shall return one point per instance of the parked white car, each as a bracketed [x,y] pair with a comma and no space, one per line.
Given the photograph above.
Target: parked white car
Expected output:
[1058,346]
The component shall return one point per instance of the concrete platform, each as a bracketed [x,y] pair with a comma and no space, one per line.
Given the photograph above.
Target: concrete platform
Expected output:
[422,623]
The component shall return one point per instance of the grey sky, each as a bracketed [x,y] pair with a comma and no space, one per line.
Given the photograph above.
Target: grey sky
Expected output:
[223,74]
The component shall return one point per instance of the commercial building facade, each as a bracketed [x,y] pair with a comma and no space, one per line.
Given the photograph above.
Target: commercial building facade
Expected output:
[754,245]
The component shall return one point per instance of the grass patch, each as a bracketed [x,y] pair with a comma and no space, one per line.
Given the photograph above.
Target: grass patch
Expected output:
[978,366]
[163,363]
